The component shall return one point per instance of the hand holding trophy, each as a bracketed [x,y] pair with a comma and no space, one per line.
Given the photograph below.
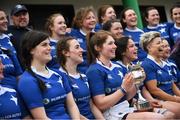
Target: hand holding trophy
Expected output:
[139,75]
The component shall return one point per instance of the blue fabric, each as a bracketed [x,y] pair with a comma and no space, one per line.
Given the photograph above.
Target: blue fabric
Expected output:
[103,80]
[80,89]
[12,68]
[53,98]
[11,106]
[162,74]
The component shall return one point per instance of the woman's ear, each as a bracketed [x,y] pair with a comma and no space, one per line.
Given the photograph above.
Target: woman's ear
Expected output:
[97,48]
[65,53]
[32,51]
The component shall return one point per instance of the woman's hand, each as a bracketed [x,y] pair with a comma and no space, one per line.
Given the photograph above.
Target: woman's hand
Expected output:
[155,103]
[128,82]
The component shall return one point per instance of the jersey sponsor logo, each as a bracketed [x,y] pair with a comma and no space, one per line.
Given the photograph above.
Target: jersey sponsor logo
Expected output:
[109,76]
[159,72]
[46,101]
[58,98]
[108,90]
[75,86]
[15,115]
[83,98]
[48,85]
[175,34]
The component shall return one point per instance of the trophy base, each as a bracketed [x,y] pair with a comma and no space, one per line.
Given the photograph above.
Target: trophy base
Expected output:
[143,106]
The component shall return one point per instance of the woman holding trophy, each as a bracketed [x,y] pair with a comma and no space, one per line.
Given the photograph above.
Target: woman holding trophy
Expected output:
[126,53]
[159,79]
[110,89]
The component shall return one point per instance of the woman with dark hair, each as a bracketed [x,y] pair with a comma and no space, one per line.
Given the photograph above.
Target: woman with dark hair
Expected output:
[69,53]
[115,27]
[129,23]
[46,94]
[152,18]
[175,16]
[105,13]
[110,89]
[159,79]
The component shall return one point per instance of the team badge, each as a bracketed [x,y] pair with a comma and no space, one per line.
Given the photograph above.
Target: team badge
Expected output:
[46,101]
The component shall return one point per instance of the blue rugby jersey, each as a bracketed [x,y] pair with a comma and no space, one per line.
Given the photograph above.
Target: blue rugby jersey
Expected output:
[81,92]
[54,63]
[174,32]
[53,98]
[12,68]
[11,106]
[104,80]
[161,73]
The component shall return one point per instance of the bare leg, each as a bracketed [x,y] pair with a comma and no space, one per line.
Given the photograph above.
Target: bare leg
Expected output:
[173,107]
[145,116]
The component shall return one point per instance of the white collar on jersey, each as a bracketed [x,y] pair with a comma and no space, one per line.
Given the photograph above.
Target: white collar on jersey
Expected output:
[2,36]
[134,30]
[175,26]
[50,72]
[53,40]
[83,33]
[152,27]
[109,68]
[151,58]
[73,76]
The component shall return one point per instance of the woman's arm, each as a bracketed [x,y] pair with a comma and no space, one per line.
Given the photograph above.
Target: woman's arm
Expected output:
[39,113]
[72,107]
[154,102]
[97,113]
[155,91]
[104,102]
[176,90]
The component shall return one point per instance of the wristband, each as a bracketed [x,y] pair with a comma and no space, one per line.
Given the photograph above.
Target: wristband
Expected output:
[123,90]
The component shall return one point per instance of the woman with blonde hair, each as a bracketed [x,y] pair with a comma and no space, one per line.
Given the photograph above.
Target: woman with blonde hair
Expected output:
[56,28]
[159,80]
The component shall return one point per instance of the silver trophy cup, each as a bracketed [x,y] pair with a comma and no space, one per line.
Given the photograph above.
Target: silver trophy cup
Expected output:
[139,76]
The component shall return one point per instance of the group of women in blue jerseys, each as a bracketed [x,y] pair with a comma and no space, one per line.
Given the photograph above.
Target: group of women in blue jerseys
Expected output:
[82,72]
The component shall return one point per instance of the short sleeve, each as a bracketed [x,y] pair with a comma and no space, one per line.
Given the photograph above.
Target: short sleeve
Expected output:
[150,72]
[96,80]
[30,91]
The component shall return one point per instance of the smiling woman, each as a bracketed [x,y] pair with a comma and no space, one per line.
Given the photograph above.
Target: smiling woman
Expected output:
[70,53]
[51,93]
[110,89]
[159,79]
